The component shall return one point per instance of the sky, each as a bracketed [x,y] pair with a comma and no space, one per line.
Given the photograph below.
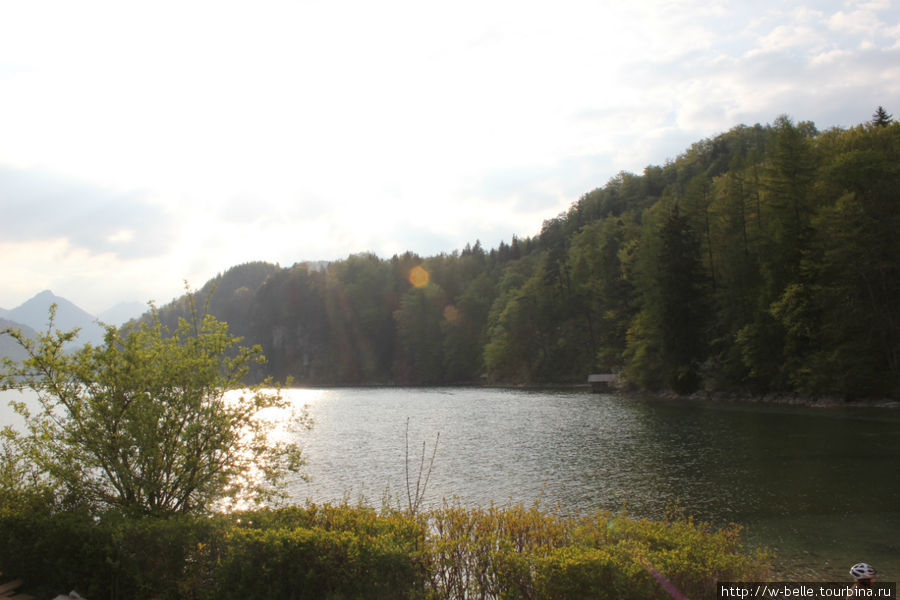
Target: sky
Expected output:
[145,144]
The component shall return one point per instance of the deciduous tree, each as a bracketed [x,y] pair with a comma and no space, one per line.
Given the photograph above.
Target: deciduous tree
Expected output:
[152,420]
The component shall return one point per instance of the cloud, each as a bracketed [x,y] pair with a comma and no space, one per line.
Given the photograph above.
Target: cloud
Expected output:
[816,63]
[527,189]
[41,206]
[856,22]
[785,37]
[310,130]
[871,4]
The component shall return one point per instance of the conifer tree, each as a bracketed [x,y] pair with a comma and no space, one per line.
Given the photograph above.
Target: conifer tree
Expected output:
[881,118]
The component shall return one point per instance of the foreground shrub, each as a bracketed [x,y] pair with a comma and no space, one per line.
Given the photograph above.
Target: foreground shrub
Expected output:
[358,555]
[318,552]
[328,552]
[106,557]
[514,553]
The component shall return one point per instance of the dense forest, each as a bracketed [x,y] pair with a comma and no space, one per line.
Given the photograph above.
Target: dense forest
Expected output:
[763,260]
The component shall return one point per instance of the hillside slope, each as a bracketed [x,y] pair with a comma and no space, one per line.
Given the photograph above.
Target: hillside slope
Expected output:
[766,259]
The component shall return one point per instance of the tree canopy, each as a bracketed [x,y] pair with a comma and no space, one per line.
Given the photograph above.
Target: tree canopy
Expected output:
[765,259]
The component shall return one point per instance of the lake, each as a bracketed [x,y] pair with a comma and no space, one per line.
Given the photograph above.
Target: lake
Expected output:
[820,486]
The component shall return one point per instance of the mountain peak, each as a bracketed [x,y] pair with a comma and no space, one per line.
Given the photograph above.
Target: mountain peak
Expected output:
[36,312]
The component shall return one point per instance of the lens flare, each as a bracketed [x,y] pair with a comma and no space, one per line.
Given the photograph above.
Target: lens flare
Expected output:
[418,276]
[451,313]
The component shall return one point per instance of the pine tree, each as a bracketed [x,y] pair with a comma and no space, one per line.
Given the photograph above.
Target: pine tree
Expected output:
[684,309]
[881,118]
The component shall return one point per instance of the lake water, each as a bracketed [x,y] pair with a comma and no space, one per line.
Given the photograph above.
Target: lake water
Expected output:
[820,486]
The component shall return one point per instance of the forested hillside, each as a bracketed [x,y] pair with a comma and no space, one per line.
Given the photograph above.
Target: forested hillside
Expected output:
[766,259]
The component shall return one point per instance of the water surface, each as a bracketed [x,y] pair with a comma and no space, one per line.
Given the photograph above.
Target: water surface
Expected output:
[818,485]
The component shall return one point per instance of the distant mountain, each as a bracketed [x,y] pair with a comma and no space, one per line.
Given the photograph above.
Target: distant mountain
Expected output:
[8,346]
[123,312]
[32,316]
[35,312]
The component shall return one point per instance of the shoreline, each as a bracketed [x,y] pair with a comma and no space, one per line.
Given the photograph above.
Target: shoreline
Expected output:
[776,399]
[799,400]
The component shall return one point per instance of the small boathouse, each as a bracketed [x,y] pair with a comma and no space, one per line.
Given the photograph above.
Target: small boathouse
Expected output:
[602,382]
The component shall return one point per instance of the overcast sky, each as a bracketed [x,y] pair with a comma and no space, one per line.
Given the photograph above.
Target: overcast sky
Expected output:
[142,144]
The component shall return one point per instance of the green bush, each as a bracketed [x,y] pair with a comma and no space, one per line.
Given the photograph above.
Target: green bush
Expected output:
[314,563]
[49,552]
[578,572]
[519,553]
[109,557]
[343,552]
